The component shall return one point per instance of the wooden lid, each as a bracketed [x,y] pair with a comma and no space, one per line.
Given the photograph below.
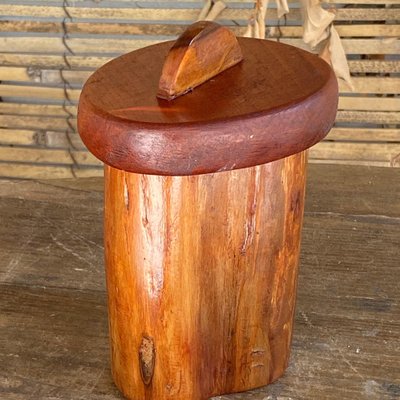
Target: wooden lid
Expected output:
[278,101]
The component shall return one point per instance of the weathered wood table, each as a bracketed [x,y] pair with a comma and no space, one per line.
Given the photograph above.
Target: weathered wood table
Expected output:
[53,313]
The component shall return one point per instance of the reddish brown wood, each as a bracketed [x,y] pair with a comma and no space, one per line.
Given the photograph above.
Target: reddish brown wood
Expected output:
[204,50]
[201,270]
[278,101]
[201,277]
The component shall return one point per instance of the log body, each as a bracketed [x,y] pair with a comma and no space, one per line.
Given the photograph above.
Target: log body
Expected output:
[201,276]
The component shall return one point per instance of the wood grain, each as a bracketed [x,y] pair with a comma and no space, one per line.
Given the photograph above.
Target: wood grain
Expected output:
[53,325]
[278,101]
[185,14]
[204,50]
[172,29]
[202,281]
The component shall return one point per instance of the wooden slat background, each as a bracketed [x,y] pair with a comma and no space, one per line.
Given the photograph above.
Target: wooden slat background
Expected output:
[48,48]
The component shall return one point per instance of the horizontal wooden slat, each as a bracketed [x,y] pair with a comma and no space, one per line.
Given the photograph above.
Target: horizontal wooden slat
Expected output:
[368,117]
[35,122]
[44,138]
[372,85]
[53,61]
[374,66]
[118,46]
[188,3]
[45,76]
[47,156]
[57,77]
[24,171]
[37,109]
[182,14]
[362,85]
[59,139]
[360,103]
[371,46]
[86,158]
[132,13]
[353,162]
[38,92]
[33,155]
[388,152]
[364,134]
[385,154]
[77,45]
[364,30]
[92,62]
[363,103]
[87,172]
[18,136]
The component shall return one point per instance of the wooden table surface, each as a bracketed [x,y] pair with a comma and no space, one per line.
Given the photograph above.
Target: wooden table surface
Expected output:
[53,318]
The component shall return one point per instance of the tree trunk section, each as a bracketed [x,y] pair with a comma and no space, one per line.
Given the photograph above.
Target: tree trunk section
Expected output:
[201,278]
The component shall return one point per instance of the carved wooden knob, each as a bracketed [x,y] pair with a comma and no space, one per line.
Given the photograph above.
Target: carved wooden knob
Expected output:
[204,50]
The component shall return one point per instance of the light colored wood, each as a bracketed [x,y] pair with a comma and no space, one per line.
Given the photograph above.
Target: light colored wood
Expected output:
[87,172]
[372,85]
[37,109]
[369,163]
[77,45]
[119,46]
[38,92]
[364,134]
[79,77]
[51,139]
[22,171]
[345,103]
[369,117]
[48,156]
[374,66]
[18,136]
[387,152]
[24,154]
[86,158]
[54,61]
[110,28]
[216,278]
[379,85]
[188,14]
[369,103]
[37,122]
[92,62]
[45,76]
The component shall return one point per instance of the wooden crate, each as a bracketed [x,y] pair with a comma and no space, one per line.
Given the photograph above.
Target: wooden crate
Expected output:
[48,48]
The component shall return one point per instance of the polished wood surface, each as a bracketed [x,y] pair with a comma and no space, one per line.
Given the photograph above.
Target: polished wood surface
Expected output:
[201,278]
[202,269]
[278,101]
[204,50]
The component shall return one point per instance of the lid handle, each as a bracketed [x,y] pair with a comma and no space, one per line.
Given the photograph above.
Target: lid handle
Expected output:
[204,50]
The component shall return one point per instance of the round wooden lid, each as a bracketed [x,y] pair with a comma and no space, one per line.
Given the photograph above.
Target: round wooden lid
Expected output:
[278,101]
